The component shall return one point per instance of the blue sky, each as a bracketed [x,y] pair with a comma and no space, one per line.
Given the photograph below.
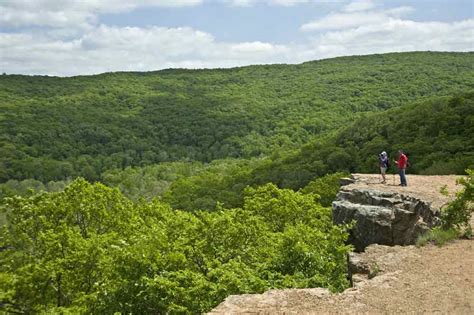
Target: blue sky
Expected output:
[72,37]
[260,22]
[264,22]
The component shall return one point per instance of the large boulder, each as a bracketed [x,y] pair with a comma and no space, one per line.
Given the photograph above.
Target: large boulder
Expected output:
[385,218]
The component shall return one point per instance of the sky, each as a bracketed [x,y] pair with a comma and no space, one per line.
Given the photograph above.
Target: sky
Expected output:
[78,37]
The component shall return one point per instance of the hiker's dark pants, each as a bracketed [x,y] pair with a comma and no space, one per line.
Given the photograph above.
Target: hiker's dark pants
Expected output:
[403,178]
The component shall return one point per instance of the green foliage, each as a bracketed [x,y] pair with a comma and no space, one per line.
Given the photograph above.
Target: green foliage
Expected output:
[435,134]
[89,249]
[28,186]
[457,213]
[354,149]
[325,187]
[437,236]
[53,238]
[57,128]
[150,181]
[225,140]
[444,190]
[455,216]
[220,182]
[374,270]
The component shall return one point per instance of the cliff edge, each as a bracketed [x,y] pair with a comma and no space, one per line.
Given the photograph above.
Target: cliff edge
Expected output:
[384,215]
[391,279]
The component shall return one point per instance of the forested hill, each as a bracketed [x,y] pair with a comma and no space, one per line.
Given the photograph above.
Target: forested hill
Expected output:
[436,134]
[54,128]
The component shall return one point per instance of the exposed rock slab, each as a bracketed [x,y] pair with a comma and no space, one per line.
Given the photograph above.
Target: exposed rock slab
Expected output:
[405,280]
[423,187]
[290,300]
[387,218]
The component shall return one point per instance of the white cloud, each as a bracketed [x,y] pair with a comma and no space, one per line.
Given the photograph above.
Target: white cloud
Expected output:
[252,47]
[361,28]
[106,48]
[344,20]
[241,3]
[359,5]
[248,3]
[84,13]
[129,48]
[288,3]
[77,13]
[399,11]
[355,18]
[77,44]
[398,35]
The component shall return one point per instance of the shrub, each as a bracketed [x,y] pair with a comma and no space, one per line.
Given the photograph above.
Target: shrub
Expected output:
[325,187]
[457,214]
[89,249]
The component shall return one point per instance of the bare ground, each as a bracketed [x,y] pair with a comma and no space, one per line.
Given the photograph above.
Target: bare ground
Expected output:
[421,186]
[407,279]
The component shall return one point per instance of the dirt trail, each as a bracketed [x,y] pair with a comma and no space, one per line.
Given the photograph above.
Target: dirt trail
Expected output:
[430,279]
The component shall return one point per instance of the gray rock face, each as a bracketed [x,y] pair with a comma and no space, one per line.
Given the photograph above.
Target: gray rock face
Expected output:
[346,181]
[385,218]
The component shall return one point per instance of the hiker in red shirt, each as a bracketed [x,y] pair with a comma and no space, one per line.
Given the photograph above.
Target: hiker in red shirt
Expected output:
[402,165]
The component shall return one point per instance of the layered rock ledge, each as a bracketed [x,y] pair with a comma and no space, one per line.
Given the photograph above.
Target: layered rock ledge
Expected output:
[386,279]
[383,217]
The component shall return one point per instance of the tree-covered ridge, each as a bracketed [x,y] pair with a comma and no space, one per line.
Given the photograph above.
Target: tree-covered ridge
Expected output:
[54,128]
[436,134]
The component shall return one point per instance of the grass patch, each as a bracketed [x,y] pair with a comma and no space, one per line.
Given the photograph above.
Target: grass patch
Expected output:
[374,271]
[437,236]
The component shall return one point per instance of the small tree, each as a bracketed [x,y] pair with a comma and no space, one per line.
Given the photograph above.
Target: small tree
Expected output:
[458,212]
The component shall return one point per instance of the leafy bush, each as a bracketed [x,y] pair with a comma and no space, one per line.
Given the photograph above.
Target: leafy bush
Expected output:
[457,214]
[325,187]
[89,249]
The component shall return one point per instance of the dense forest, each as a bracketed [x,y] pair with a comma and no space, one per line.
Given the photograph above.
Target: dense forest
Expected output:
[89,249]
[57,128]
[436,134]
[198,184]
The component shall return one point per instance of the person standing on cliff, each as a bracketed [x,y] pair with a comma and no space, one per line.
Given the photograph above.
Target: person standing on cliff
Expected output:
[402,165]
[384,162]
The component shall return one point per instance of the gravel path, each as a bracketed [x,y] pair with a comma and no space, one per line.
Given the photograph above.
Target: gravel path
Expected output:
[429,280]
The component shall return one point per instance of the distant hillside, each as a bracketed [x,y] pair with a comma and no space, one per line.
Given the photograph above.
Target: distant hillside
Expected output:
[436,134]
[53,128]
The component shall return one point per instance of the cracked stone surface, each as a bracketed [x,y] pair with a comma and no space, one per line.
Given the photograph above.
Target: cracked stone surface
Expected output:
[383,217]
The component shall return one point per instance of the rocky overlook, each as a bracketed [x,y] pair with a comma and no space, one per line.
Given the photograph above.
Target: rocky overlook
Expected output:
[381,216]
[387,279]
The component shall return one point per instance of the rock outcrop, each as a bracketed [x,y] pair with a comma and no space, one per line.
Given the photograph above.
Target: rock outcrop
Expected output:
[386,218]
[386,279]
